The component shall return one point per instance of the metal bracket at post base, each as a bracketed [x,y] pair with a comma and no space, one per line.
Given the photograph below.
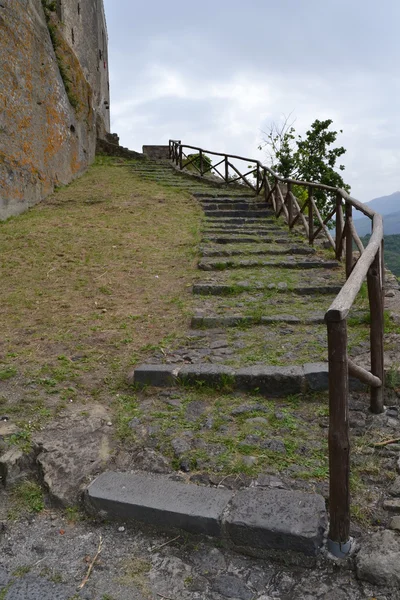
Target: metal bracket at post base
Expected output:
[340,549]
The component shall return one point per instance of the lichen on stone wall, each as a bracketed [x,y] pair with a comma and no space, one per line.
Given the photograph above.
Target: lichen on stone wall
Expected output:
[49,112]
[78,90]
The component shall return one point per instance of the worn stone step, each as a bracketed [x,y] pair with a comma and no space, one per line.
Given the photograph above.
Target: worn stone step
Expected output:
[260,231]
[266,222]
[235,205]
[267,521]
[220,289]
[237,221]
[268,380]
[214,252]
[263,224]
[215,321]
[222,239]
[238,213]
[222,194]
[230,201]
[219,265]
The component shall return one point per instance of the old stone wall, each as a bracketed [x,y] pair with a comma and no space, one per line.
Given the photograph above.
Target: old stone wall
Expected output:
[54,96]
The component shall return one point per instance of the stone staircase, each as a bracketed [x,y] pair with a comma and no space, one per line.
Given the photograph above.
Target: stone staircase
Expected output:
[261,296]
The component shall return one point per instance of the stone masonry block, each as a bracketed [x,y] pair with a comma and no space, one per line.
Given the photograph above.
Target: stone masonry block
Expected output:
[157,375]
[157,500]
[277,520]
[271,381]
[207,374]
[316,375]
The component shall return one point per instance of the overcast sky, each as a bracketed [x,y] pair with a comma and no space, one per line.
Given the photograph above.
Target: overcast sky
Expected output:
[216,73]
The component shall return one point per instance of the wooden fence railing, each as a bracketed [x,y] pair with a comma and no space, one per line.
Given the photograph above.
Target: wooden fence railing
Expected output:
[279,192]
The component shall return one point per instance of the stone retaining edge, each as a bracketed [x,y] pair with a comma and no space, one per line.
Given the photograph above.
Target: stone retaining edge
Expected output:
[271,381]
[253,521]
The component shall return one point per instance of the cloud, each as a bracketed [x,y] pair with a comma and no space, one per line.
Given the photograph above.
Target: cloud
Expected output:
[216,77]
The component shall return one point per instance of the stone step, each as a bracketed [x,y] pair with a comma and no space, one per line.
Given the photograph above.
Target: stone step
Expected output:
[219,265]
[265,212]
[267,380]
[232,200]
[220,289]
[221,239]
[215,321]
[260,224]
[267,222]
[222,194]
[238,221]
[214,252]
[238,205]
[259,231]
[274,521]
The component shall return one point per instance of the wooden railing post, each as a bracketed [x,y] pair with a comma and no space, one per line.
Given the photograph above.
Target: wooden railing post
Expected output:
[339,226]
[339,445]
[258,179]
[310,217]
[375,295]
[180,157]
[289,204]
[226,170]
[267,189]
[276,196]
[349,240]
[177,154]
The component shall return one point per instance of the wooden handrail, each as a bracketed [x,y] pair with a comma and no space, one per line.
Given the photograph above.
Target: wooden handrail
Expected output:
[368,266]
[340,307]
[363,375]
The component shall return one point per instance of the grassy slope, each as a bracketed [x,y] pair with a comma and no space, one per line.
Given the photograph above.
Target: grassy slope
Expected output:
[94,277]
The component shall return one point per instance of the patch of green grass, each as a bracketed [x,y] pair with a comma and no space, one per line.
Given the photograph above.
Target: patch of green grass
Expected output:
[280,344]
[27,497]
[135,571]
[74,514]
[7,372]
[392,377]
[4,591]
[21,571]
[104,285]
[21,439]
[125,409]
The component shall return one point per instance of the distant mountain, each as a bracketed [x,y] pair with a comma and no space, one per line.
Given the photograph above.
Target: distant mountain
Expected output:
[392,252]
[389,208]
[391,224]
[385,205]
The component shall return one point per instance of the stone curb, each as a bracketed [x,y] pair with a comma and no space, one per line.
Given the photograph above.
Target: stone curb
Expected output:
[211,252]
[272,381]
[268,380]
[236,204]
[199,322]
[237,213]
[220,289]
[210,265]
[264,520]
[221,238]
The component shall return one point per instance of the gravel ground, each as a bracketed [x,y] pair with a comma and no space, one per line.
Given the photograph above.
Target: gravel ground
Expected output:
[47,558]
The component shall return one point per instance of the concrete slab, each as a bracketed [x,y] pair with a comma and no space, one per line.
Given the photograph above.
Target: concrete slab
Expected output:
[277,520]
[157,500]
